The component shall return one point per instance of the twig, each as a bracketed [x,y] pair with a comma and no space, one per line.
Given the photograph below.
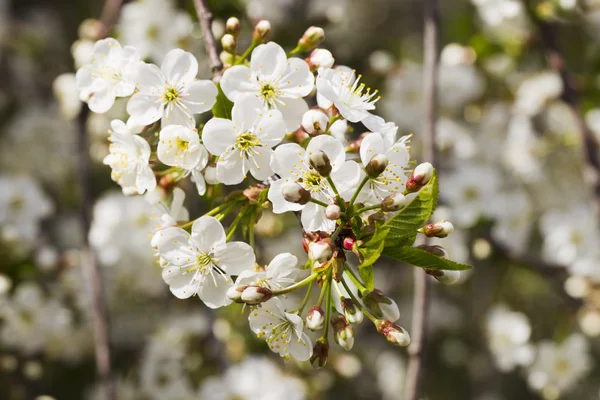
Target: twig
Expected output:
[570,96]
[421,280]
[205,17]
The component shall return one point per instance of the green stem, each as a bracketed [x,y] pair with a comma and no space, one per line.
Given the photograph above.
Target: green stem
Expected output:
[292,53]
[235,224]
[319,202]
[338,230]
[251,230]
[167,171]
[355,195]
[363,309]
[340,202]
[219,216]
[331,122]
[354,279]
[305,300]
[327,307]
[362,210]
[322,294]
[246,53]
[297,285]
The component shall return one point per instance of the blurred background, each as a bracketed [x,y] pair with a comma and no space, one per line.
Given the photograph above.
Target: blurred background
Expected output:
[523,324]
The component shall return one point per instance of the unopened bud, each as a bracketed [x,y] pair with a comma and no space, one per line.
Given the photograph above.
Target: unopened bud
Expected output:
[444,276]
[434,249]
[333,212]
[295,193]
[320,162]
[439,229]
[229,43]
[394,202]
[210,175]
[91,29]
[261,31]
[376,218]
[320,58]
[342,332]
[393,333]
[315,319]
[338,267]
[377,165]
[233,26]
[348,243]
[253,192]
[320,251]
[352,313]
[235,293]
[311,38]
[320,353]
[420,177]
[315,121]
[226,58]
[254,295]
[381,305]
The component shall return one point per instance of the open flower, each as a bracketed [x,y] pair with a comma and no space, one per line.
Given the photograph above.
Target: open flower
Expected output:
[170,93]
[283,332]
[170,214]
[128,159]
[106,76]
[201,263]
[281,272]
[341,86]
[179,146]
[292,164]
[277,81]
[244,143]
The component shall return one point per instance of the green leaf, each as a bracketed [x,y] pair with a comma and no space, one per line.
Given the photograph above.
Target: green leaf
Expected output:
[370,252]
[422,258]
[403,226]
[223,106]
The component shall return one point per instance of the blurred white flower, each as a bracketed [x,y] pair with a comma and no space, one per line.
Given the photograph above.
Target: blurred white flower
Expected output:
[535,92]
[67,95]
[508,335]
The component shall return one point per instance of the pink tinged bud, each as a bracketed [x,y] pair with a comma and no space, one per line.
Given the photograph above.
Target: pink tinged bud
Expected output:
[352,313]
[320,162]
[235,293]
[233,26]
[333,212]
[311,38]
[394,334]
[439,229]
[229,43]
[342,332]
[320,58]
[434,249]
[254,295]
[348,243]
[261,31]
[377,165]
[444,276]
[320,251]
[315,121]
[420,177]
[320,353]
[394,202]
[295,193]
[315,319]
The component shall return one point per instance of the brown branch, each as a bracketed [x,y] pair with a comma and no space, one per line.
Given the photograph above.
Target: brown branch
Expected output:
[570,96]
[416,351]
[205,17]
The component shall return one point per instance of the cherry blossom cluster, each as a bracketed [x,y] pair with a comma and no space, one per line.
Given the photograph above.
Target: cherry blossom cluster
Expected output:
[261,132]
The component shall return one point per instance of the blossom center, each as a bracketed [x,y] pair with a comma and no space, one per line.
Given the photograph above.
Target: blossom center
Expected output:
[246,141]
[182,144]
[16,203]
[312,181]
[269,93]
[171,95]
[356,95]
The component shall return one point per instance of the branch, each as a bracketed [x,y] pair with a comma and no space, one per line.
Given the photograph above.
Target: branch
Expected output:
[570,96]
[205,17]
[421,280]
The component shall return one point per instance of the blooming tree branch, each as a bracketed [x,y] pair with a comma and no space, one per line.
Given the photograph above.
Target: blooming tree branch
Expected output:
[205,17]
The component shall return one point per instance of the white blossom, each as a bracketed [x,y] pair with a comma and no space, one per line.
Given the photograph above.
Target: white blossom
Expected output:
[508,335]
[281,272]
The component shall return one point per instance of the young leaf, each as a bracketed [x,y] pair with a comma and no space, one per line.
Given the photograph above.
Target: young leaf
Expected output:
[223,106]
[421,258]
[370,252]
[403,226]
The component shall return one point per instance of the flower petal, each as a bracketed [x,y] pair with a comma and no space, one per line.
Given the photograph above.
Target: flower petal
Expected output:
[299,81]
[200,96]
[237,81]
[259,163]
[207,234]
[231,167]
[268,61]
[218,135]
[288,160]
[330,146]
[144,109]
[371,145]
[292,110]
[235,257]
[179,67]
[213,289]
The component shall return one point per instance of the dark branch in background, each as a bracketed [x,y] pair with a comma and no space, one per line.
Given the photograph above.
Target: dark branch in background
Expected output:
[205,17]
[416,351]
[557,62]
[110,14]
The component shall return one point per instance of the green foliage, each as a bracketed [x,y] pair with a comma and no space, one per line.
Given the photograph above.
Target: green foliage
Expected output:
[223,106]
[371,253]
[422,258]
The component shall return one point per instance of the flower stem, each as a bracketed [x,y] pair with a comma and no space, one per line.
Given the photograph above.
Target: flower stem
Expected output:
[355,279]
[340,202]
[327,307]
[297,285]
[323,292]
[319,202]
[235,223]
[338,230]
[240,60]
[358,304]
[305,300]
[362,210]
[296,50]
[355,195]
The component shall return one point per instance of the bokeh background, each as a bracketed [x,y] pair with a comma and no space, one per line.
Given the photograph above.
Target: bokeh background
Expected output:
[524,324]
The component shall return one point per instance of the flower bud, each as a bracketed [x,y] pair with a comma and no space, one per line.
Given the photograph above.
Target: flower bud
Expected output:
[381,305]
[394,202]
[320,353]
[444,276]
[254,295]
[91,29]
[333,212]
[320,58]
[439,229]
[434,249]
[226,58]
[342,332]
[312,37]
[320,251]
[295,193]
[352,313]
[348,243]
[377,165]
[261,31]
[315,121]
[393,333]
[339,265]
[376,218]
[420,177]
[210,175]
[319,161]
[233,26]
[235,293]
[315,319]
[229,43]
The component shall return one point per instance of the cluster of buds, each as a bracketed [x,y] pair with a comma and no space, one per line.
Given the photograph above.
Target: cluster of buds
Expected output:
[342,332]
[420,177]
[249,294]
